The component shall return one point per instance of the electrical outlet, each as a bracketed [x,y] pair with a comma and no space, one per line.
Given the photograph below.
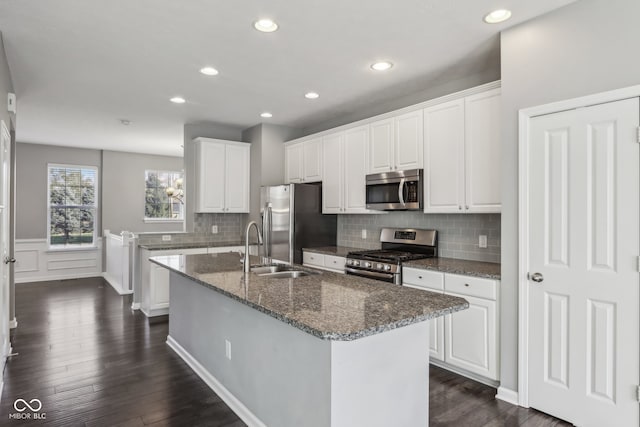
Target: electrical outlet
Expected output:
[214,229]
[227,349]
[364,233]
[482,241]
[166,237]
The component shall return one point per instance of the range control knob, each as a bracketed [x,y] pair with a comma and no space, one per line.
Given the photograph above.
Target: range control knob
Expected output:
[367,264]
[379,266]
[387,267]
[355,262]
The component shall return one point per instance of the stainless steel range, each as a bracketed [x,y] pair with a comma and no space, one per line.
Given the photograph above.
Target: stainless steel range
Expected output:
[398,245]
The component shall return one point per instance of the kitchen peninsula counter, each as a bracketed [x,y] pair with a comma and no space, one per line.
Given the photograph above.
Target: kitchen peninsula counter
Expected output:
[318,350]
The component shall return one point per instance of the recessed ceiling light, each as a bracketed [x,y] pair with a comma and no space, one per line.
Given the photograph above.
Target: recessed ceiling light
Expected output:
[266,115]
[125,122]
[311,95]
[209,71]
[178,100]
[381,66]
[497,16]
[265,25]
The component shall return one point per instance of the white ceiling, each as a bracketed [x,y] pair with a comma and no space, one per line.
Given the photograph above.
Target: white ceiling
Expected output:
[79,66]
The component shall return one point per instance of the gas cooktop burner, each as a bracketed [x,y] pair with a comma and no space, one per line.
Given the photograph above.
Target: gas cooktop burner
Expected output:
[384,255]
[398,246]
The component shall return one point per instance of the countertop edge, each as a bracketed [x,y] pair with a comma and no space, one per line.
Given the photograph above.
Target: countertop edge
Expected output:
[312,331]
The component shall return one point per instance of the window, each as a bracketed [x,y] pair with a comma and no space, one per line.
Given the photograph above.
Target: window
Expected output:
[164,197]
[72,205]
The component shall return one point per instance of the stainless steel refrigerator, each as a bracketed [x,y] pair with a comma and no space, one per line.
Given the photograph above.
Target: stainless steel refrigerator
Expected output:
[292,219]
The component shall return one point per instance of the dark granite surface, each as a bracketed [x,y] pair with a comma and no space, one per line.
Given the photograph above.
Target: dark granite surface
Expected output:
[165,246]
[329,305]
[487,270]
[333,250]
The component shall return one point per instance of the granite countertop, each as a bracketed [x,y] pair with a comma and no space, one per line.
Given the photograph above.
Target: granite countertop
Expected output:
[328,305]
[187,245]
[333,250]
[487,270]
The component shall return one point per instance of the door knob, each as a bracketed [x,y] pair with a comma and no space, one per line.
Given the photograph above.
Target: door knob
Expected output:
[8,260]
[536,277]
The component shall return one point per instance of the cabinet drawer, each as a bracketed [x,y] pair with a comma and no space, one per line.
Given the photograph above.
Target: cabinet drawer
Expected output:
[423,278]
[473,286]
[312,258]
[334,262]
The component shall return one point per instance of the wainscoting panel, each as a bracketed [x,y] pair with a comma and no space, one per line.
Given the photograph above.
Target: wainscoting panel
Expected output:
[35,262]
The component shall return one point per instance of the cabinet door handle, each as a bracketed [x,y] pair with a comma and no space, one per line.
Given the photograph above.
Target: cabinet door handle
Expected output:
[467,207]
[8,260]
[459,207]
[466,284]
[420,277]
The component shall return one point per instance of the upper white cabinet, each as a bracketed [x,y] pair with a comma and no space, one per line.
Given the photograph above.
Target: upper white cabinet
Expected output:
[345,168]
[222,175]
[462,155]
[303,161]
[482,152]
[396,143]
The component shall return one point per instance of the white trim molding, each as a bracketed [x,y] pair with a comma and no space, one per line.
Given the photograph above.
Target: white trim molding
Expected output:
[35,262]
[236,406]
[507,395]
[524,119]
[13,323]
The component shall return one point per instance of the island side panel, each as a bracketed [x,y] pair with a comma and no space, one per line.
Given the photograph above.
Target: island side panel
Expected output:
[382,380]
[280,373]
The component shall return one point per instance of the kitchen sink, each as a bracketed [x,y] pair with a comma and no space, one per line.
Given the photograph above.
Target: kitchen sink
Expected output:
[281,271]
[262,269]
[290,274]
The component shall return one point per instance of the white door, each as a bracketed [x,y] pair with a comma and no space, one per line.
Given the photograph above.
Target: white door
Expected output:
[381,146]
[332,185]
[482,152]
[237,178]
[583,231]
[312,160]
[355,169]
[5,144]
[444,157]
[409,140]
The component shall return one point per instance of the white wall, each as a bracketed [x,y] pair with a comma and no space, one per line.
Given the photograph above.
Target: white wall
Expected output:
[587,47]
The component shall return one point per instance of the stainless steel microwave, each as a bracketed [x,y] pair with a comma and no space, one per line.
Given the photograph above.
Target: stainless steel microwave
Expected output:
[395,191]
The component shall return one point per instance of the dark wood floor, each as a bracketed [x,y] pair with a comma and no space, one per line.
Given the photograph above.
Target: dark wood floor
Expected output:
[92,361]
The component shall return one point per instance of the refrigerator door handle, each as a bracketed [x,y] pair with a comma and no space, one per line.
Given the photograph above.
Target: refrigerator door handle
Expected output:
[266,230]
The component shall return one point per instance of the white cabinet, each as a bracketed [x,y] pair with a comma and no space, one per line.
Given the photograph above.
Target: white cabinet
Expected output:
[303,161]
[482,152]
[154,279]
[222,176]
[345,169]
[324,262]
[396,143]
[466,339]
[462,155]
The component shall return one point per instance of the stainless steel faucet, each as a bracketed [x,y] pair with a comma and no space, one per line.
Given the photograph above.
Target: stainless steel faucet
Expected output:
[247,261]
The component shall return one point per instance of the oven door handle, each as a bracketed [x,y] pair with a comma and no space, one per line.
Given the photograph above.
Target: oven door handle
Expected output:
[401,192]
[369,273]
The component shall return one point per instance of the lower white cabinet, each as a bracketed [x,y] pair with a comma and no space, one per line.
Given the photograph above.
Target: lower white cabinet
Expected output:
[466,339]
[154,281]
[324,262]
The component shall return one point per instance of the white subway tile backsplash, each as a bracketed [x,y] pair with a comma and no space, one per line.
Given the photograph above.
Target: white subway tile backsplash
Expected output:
[457,233]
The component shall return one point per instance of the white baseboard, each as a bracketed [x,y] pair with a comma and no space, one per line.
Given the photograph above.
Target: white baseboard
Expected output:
[155,312]
[13,323]
[57,277]
[135,306]
[111,281]
[507,395]
[236,406]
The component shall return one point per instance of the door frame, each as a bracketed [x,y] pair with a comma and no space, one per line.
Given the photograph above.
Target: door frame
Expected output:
[524,120]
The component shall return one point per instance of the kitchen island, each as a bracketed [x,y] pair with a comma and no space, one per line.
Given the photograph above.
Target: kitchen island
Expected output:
[318,350]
